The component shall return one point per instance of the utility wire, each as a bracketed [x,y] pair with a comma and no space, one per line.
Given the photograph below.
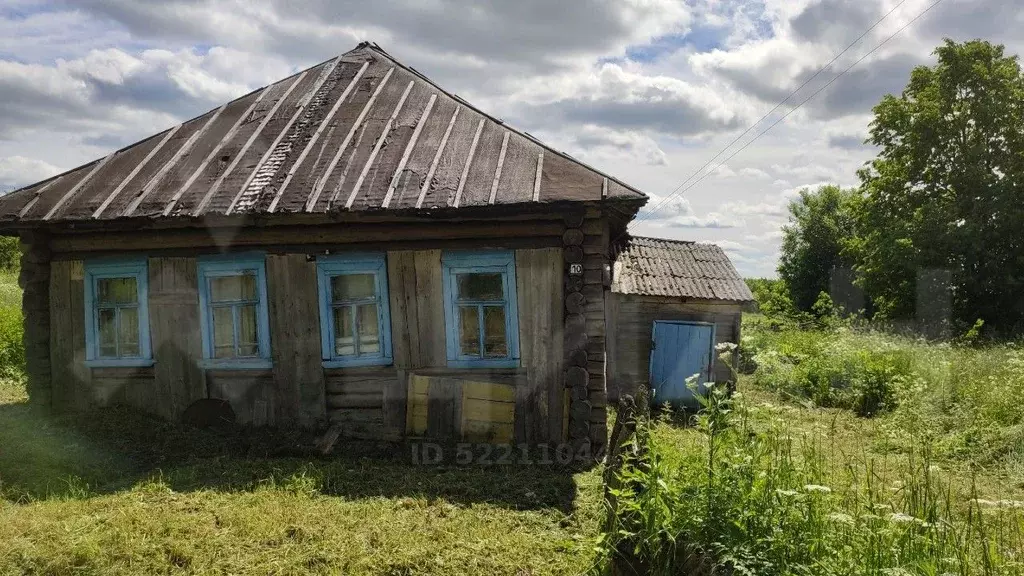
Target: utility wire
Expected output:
[682,190]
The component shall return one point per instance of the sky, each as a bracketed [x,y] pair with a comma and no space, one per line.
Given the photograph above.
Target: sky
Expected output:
[646,90]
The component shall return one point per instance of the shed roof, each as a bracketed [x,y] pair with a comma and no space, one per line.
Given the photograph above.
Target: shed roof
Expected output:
[679,269]
[356,133]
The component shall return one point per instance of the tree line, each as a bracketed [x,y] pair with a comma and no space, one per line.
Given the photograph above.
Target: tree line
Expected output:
[938,214]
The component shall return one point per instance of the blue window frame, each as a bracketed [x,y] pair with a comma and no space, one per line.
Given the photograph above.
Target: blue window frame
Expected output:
[355,321]
[117,313]
[233,307]
[481,314]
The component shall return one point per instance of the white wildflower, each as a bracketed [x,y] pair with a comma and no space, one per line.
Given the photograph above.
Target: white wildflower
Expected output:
[725,347]
[841,518]
[901,518]
[789,493]
[818,488]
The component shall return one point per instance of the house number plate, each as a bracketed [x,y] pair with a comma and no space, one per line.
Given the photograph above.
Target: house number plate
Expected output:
[575,269]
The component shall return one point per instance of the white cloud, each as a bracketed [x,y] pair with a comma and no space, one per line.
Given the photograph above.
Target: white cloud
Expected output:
[17,171]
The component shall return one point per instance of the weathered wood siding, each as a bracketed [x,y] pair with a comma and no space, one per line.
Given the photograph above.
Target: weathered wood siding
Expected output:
[358,400]
[539,287]
[71,379]
[175,332]
[526,404]
[631,321]
[294,310]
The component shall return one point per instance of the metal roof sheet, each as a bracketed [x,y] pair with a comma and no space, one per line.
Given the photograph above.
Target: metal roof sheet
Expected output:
[358,132]
[675,268]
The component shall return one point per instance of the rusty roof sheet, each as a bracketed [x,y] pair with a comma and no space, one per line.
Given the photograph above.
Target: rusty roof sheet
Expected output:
[679,269]
[358,132]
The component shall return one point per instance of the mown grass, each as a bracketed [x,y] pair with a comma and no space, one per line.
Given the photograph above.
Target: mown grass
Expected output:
[118,492]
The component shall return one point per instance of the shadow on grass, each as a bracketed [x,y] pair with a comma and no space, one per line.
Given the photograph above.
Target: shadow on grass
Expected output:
[113,449]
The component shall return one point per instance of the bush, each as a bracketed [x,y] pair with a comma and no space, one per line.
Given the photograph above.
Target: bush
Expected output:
[834,369]
[12,349]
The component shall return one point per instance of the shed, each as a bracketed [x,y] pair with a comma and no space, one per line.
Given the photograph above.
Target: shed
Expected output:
[671,303]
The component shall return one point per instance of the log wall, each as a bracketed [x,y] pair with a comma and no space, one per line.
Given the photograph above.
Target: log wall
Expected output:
[527,404]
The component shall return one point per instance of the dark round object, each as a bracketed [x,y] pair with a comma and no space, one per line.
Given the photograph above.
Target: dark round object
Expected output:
[209,413]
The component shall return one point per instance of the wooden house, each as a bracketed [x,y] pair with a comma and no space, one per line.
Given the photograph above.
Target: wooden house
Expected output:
[671,304]
[351,245]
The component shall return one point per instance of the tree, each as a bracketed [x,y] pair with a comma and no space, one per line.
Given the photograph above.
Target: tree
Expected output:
[945,191]
[821,223]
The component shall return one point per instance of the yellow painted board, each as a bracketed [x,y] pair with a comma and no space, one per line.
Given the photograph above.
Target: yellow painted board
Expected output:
[482,410]
[488,391]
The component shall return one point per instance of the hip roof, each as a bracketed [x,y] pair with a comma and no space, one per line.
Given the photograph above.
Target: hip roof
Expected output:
[359,132]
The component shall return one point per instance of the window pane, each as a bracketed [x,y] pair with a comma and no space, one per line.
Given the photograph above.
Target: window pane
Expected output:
[223,333]
[248,341]
[117,290]
[352,287]
[106,322]
[369,337]
[495,345]
[233,288]
[480,286]
[344,344]
[469,331]
[129,332]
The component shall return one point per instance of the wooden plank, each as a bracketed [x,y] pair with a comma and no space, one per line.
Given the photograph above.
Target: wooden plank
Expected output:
[417,318]
[497,171]
[318,188]
[380,144]
[429,319]
[539,287]
[469,162]
[395,178]
[536,181]
[65,376]
[298,235]
[417,407]
[437,157]
[487,410]
[135,172]
[488,392]
[295,329]
[319,132]
[174,328]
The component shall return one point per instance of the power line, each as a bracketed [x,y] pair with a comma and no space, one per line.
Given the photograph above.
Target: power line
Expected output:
[681,190]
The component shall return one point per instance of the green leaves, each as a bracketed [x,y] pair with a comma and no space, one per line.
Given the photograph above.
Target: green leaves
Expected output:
[946,188]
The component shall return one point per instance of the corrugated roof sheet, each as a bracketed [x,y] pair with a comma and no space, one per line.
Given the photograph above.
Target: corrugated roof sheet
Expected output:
[674,268]
[358,132]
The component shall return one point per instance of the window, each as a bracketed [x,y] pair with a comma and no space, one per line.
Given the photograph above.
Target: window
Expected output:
[481,318]
[233,304]
[117,313]
[355,323]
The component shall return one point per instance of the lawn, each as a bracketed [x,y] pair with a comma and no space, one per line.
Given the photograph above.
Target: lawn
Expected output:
[120,493]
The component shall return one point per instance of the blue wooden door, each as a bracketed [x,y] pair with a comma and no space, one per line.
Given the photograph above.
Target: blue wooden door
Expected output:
[679,351]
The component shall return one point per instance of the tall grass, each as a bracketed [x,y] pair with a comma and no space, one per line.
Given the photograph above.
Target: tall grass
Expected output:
[966,400]
[741,493]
